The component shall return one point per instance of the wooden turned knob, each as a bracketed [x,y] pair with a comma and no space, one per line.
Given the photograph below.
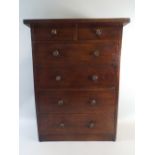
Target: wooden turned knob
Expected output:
[94,77]
[58,78]
[61,125]
[93,102]
[98,32]
[60,102]
[53,31]
[96,53]
[91,124]
[55,53]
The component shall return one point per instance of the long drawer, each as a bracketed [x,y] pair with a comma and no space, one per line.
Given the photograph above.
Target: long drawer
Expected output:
[48,54]
[77,123]
[75,101]
[75,77]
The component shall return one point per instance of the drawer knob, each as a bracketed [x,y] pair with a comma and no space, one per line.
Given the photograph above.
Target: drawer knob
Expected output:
[60,102]
[98,32]
[55,53]
[91,124]
[94,77]
[61,125]
[58,78]
[53,31]
[93,102]
[96,53]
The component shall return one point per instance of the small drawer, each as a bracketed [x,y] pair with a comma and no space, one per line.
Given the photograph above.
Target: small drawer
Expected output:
[48,54]
[75,101]
[53,32]
[75,77]
[77,123]
[99,32]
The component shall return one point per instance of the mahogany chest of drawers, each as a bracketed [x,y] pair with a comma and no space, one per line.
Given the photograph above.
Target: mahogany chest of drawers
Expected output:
[76,77]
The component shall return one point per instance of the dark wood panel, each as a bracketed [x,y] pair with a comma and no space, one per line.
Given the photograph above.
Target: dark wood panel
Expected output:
[100,123]
[75,101]
[75,77]
[48,54]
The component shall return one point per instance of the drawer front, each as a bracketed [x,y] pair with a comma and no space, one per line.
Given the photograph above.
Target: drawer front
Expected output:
[75,101]
[98,32]
[53,32]
[77,123]
[98,53]
[75,77]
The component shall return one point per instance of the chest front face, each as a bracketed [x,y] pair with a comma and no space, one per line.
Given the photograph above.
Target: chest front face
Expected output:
[76,78]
